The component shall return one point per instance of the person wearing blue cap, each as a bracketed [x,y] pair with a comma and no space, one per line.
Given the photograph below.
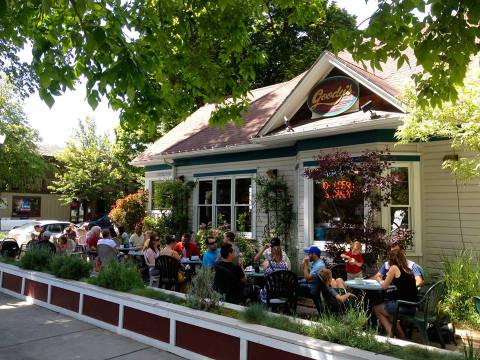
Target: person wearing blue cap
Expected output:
[309,286]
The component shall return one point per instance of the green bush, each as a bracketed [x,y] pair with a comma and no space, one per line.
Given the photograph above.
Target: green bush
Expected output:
[36,259]
[201,294]
[120,276]
[462,279]
[70,267]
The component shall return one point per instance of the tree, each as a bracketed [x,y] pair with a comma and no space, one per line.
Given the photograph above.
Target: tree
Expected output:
[443,34]
[458,121]
[156,61]
[88,170]
[21,165]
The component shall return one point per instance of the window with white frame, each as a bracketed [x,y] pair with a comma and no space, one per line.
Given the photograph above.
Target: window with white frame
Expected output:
[225,200]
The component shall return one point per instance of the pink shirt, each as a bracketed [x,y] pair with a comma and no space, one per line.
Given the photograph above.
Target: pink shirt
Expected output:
[150,256]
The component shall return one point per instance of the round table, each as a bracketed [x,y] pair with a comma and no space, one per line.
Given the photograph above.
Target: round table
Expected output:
[254,274]
[126,250]
[367,284]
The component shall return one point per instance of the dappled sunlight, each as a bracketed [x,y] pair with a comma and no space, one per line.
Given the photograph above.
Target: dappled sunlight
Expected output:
[58,321]
[10,305]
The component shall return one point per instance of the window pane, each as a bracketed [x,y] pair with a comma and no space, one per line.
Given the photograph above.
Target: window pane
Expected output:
[155,205]
[243,218]
[243,191]
[224,215]
[332,202]
[204,215]
[205,192]
[400,218]
[400,193]
[26,206]
[223,191]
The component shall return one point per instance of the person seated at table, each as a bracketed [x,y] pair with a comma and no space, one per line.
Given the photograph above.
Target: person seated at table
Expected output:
[137,238]
[335,286]
[276,263]
[212,254]
[93,236]
[402,277]
[308,286]
[229,238]
[416,270]
[107,240]
[169,250]
[354,261]
[64,245]
[230,280]
[70,232]
[266,251]
[187,247]
[151,251]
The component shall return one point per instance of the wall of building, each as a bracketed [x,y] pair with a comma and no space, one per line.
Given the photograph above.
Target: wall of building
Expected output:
[441,218]
[50,208]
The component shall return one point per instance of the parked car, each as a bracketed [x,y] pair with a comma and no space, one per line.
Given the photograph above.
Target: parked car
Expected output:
[23,234]
[104,222]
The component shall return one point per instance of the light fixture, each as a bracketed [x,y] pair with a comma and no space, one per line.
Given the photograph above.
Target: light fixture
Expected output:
[288,128]
[272,173]
[368,106]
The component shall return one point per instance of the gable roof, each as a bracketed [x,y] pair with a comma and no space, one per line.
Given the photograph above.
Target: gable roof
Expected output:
[268,107]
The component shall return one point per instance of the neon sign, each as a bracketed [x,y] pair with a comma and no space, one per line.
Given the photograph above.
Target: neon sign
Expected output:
[337,190]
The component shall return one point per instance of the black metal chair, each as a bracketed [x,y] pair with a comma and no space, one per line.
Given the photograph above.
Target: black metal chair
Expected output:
[425,314]
[332,305]
[339,271]
[281,289]
[9,248]
[168,268]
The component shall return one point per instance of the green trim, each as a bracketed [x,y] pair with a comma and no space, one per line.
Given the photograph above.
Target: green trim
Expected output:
[221,173]
[158,167]
[414,158]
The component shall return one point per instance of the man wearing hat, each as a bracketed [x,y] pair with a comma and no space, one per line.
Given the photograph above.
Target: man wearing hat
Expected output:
[266,252]
[416,270]
[311,265]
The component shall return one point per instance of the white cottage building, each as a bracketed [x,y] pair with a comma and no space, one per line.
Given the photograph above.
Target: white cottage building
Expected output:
[287,125]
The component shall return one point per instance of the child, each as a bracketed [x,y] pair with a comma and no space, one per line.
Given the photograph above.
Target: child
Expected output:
[335,287]
[354,261]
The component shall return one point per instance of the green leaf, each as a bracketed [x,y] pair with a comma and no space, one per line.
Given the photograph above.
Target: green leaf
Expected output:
[93,98]
[3,7]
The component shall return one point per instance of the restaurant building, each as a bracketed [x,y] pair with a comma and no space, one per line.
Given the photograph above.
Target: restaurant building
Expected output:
[286,126]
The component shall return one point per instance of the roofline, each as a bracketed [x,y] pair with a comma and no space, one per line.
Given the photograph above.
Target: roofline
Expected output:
[387,123]
[328,58]
[193,153]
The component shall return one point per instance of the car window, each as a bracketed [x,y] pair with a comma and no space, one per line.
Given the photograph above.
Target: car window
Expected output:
[55,228]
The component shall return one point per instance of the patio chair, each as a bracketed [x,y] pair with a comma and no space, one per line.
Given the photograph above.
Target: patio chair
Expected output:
[332,304]
[425,314]
[281,290]
[476,300]
[9,248]
[168,268]
[339,271]
[105,253]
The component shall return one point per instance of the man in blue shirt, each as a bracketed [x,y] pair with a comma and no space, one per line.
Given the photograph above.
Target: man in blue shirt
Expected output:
[212,254]
[309,286]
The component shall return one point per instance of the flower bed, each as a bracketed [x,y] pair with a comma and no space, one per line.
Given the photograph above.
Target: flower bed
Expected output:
[178,329]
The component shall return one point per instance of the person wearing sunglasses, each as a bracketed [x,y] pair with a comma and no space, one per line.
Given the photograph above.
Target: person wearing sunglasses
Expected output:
[212,254]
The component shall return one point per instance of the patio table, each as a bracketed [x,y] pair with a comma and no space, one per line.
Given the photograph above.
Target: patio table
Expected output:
[126,250]
[254,274]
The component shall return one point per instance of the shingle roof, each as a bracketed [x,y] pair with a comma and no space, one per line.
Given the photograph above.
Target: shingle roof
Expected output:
[194,134]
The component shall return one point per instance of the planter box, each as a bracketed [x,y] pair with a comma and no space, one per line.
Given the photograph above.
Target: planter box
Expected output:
[180,330]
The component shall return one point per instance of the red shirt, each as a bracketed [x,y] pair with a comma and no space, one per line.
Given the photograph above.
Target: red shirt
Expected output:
[186,253]
[92,241]
[353,269]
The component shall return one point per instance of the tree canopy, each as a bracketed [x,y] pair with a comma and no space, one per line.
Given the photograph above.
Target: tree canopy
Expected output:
[21,165]
[443,35]
[88,170]
[458,121]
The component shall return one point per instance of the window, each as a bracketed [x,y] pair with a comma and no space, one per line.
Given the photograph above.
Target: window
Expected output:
[225,201]
[26,207]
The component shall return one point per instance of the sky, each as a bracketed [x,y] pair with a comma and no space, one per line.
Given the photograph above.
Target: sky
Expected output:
[55,124]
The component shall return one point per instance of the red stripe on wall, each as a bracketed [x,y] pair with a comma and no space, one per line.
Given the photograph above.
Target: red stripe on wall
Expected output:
[257,352]
[151,325]
[66,299]
[36,290]
[99,309]
[206,342]
[12,282]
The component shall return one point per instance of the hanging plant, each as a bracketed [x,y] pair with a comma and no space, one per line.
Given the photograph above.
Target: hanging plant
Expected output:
[274,199]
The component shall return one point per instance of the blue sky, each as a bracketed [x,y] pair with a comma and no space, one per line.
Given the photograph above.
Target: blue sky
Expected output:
[55,125]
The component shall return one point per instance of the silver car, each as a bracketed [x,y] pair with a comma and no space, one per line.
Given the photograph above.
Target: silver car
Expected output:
[23,233]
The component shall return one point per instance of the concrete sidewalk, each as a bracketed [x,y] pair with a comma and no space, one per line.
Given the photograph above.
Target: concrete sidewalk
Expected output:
[30,332]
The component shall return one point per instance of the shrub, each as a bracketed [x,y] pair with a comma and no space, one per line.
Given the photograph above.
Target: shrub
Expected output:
[130,210]
[70,267]
[247,248]
[120,276]
[37,259]
[462,276]
[201,294]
